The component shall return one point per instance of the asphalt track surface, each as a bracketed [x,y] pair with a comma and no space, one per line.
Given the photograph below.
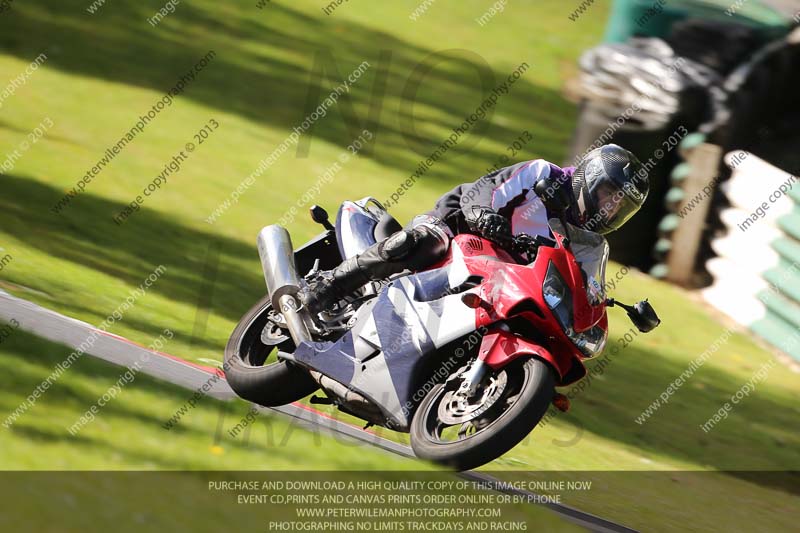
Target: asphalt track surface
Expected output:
[120,351]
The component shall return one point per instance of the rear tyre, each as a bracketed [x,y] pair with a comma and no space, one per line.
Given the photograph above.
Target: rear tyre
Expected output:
[514,399]
[252,368]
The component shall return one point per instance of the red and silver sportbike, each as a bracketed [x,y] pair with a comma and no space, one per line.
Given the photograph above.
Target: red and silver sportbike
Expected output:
[465,356]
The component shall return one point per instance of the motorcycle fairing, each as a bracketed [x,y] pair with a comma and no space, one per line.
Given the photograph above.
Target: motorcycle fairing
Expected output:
[415,315]
[380,357]
[355,225]
[515,290]
[500,347]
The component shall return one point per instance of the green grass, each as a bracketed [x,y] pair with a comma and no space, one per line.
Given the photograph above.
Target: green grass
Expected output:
[127,435]
[732,478]
[106,69]
[667,474]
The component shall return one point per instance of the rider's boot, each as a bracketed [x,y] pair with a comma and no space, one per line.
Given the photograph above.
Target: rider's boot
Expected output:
[407,249]
[329,286]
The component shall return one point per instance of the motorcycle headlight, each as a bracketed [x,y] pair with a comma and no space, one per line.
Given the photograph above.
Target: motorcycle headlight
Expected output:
[590,342]
[558,298]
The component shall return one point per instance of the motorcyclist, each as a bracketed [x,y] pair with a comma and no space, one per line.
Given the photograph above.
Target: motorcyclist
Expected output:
[607,188]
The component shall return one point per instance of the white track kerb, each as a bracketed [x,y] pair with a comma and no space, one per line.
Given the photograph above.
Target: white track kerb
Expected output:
[86,343]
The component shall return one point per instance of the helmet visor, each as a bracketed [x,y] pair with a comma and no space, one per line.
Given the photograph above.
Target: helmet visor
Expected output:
[614,205]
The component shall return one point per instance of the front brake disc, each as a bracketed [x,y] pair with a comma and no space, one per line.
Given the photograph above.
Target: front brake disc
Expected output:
[273,334]
[455,408]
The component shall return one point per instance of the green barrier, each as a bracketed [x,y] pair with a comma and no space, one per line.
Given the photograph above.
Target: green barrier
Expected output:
[663,246]
[794,193]
[782,307]
[786,278]
[777,332]
[690,142]
[680,172]
[669,223]
[674,196]
[659,271]
[788,249]
[790,223]
[654,18]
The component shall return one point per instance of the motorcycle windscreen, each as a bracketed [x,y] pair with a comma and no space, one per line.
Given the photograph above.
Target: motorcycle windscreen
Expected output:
[591,251]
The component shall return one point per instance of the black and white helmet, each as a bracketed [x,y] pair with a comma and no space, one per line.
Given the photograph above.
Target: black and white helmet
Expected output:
[609,186]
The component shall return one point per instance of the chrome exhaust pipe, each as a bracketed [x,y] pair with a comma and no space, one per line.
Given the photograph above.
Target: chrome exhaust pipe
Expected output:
[283,282]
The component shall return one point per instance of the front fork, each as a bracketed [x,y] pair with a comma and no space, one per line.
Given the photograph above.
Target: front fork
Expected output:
[473,378]
[500,346]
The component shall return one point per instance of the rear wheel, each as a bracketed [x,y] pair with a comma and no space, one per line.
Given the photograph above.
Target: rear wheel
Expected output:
[251,366]
[466,432]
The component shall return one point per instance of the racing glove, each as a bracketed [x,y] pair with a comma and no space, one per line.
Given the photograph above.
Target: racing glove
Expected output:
[489,224]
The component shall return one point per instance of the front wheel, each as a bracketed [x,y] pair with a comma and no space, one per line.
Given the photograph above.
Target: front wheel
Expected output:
[464,433]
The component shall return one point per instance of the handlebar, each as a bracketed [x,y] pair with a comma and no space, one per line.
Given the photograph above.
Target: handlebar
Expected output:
[520,244]
[524,243]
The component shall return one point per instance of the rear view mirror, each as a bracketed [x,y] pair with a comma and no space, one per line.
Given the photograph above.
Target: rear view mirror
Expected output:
[320,216]
[643,316]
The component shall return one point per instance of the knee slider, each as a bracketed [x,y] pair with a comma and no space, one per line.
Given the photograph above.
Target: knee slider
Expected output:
[398,245]
[431,245]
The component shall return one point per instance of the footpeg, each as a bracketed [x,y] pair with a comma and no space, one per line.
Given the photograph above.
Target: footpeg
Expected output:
[321,400]
[561,402]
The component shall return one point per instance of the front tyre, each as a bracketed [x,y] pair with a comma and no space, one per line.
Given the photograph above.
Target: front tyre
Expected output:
[465,433]
[251,367]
